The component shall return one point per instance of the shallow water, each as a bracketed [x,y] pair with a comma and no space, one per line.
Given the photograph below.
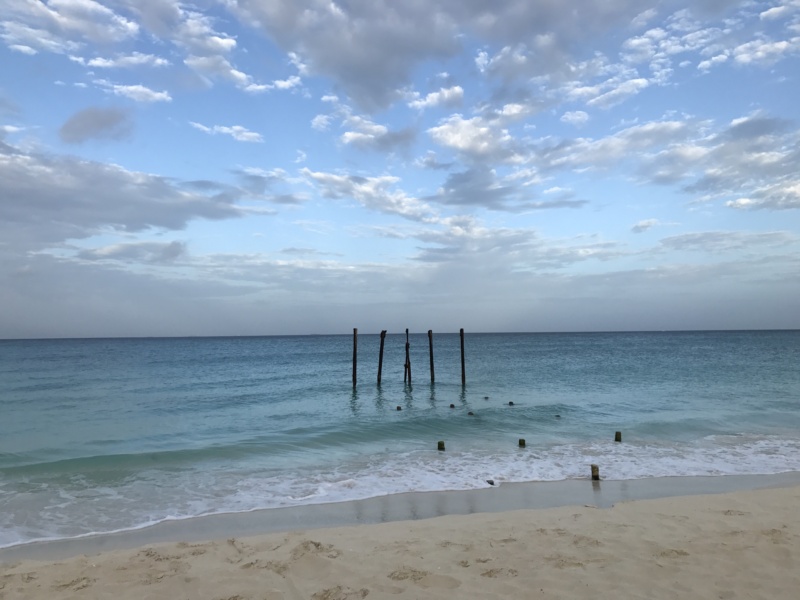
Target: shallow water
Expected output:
[116,434]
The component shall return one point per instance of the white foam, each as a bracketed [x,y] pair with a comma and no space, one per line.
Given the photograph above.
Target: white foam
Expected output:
[156,496]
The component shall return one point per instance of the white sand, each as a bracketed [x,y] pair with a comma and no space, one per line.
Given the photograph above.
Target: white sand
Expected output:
[735,545]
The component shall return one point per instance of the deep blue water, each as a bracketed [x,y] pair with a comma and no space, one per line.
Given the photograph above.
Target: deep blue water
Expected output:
[109,434]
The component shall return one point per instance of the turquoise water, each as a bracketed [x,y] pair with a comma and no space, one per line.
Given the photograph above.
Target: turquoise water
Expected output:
[115,434]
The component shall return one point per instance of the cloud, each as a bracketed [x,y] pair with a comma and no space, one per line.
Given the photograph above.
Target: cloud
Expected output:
[218,67]
[50,199]
[765,52]
[321,122]
[430,161]
[374,193]
[452,96]
[620,92]
[477,138]
[96,123]
[124,61]
[576,117]
[644,225]
[330,39]
[237,132]
[366,134]
[723,242]
[137,252]
[137,92]
[62,26]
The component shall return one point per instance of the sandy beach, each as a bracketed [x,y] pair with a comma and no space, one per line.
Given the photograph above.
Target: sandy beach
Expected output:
[743,544]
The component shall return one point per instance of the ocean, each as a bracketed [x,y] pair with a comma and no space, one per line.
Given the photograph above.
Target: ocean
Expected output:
[105,435]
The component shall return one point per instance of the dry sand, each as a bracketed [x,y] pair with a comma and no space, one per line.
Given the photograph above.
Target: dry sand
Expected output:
[734,545]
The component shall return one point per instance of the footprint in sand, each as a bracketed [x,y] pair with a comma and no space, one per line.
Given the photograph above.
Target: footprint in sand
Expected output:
[492,573]
[425,579]
[81,583]
[340,593]
[310,547]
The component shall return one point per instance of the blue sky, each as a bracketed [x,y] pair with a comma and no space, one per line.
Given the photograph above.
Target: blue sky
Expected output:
[244,167]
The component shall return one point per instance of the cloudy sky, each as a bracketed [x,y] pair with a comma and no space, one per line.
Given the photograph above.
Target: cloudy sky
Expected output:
[309,166]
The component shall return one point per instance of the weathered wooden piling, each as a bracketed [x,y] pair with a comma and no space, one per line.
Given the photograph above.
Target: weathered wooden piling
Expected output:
[407,370]
[380,356]
[430,348]
[355,354]
[618,436]
[463,370]
[521,442]
[595,473]
[440,445]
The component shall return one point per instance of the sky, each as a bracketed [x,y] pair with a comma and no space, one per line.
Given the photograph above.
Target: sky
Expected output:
[259,167]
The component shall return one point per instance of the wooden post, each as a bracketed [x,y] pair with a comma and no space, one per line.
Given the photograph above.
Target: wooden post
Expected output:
[380,356]
[355,354]
[521,442]
[618,436]
[430,347]
[408,360]
[595,473]
[463,371]
[440,445]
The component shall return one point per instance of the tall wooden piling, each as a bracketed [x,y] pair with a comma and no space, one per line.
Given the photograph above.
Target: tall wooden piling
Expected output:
[430,348]
[380,356]
[463,369]
[355,354]
[407,376]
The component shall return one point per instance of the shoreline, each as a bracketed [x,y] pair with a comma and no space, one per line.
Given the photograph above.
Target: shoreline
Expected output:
[404,507]
[740,544]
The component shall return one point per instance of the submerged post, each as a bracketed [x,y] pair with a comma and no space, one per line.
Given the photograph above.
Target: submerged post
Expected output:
[408,361]
[380,356]
[463,371]
[355,354]
[430,347]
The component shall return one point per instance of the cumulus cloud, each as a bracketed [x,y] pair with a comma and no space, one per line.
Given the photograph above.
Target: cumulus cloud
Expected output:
[97,123]
[450,97]
[476,138]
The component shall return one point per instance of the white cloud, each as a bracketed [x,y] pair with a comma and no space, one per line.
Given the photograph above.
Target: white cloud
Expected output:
[137,92]
[577,117]
[775,12]
[321,122]
[375,193]
[764,52]
[135,59]
[713,61]
[237,132]
[217,67]
[476,137]
[621,92]
[23,49]
[62,26]
[451,96]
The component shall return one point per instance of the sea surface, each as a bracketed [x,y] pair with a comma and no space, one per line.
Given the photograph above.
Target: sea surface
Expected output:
[102,435]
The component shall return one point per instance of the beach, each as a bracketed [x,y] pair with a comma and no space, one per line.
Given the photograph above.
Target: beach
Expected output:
[742,544]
